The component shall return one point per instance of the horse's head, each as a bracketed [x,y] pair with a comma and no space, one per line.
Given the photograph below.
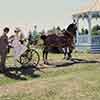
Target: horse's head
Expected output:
[72,28]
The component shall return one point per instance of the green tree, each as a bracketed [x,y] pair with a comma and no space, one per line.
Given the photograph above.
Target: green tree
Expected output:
[96,30]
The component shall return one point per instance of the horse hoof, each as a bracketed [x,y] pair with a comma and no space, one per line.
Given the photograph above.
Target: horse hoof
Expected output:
[46,63]
[64,58]
[69,58]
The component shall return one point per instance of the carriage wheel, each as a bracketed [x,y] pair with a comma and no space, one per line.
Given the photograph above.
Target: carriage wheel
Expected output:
[23,60]
[35,58]
[30,57]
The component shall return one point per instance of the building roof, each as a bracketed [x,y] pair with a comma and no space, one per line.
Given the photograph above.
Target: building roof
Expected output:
[92,6]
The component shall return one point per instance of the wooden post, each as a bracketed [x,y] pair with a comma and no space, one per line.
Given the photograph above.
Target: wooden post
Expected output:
[89,18]
[77,33]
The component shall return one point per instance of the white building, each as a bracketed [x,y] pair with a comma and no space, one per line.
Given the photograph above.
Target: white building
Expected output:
[90,13]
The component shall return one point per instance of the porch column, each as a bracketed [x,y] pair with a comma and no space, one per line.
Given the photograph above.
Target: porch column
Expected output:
[89,24]
[77,33]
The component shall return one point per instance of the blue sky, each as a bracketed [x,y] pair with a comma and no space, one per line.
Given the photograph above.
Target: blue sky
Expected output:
[44,13]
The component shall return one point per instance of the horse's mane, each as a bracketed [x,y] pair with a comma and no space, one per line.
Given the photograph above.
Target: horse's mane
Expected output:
[70,27]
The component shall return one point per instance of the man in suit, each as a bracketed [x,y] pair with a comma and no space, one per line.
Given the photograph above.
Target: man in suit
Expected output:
[3,48]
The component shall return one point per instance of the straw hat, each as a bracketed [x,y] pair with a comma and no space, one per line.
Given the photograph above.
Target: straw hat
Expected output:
[17,29]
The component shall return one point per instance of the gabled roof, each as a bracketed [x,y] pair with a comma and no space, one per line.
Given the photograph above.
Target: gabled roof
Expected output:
[93,5]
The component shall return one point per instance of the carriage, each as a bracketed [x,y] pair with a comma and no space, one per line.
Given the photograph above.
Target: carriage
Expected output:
[29,56]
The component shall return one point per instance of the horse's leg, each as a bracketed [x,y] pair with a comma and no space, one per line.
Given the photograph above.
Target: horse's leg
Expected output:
[45,55]
[65,52]
[69,53]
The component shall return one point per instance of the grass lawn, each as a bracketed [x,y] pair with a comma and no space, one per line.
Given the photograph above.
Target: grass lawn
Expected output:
[68,81]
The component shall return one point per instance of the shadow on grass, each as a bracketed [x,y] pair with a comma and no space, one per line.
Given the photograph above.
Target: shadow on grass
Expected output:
[74,61]
[21,73]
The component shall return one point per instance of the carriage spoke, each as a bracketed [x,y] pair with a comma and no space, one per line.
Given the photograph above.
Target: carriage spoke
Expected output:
[34,58]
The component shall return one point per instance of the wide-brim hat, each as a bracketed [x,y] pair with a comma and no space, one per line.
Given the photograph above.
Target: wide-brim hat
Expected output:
[17,29]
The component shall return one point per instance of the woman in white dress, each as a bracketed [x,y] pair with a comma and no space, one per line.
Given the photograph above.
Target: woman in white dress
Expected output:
[18,48]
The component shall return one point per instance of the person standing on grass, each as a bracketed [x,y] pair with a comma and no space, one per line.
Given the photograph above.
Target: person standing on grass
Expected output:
[35,35]
[3,48]
[18,46]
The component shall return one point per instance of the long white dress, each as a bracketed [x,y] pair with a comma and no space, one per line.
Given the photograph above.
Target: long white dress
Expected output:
[18,48]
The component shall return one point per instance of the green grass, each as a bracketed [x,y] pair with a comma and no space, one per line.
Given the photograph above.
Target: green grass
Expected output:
[74,82]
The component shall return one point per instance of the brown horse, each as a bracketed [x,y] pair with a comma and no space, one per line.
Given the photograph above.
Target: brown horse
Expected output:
[65,41]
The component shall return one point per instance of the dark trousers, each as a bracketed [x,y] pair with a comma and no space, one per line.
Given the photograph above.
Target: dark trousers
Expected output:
[3,59]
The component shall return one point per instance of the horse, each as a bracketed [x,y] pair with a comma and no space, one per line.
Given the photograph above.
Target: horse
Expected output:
[66,41]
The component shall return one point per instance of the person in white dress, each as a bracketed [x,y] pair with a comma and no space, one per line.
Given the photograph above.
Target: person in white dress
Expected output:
[18,48]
